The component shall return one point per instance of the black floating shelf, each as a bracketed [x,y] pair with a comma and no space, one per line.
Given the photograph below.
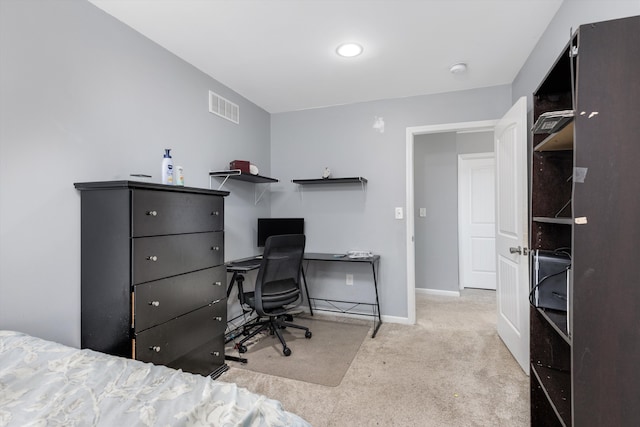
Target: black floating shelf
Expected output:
[352,180]
[242,176]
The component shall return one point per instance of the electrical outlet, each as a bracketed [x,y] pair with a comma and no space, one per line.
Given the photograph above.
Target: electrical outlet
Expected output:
[423,212]
[399,213]
[349,279]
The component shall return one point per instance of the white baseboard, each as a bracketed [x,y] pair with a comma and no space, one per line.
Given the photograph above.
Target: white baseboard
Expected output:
[437,292]
[367,318]
[396,319]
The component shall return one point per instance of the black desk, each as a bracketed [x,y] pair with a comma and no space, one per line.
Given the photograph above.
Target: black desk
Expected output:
[244,265]
[375,307]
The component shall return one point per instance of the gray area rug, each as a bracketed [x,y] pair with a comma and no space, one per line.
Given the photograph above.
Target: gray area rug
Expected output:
[323,359]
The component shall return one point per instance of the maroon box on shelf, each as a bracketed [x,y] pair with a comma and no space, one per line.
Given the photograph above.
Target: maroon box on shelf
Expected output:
[243,165]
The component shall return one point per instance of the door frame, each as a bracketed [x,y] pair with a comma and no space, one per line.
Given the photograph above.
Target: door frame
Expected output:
[411,133]
[462,158]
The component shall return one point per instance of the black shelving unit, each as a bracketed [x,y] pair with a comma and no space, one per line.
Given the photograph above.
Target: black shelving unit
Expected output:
[584,185]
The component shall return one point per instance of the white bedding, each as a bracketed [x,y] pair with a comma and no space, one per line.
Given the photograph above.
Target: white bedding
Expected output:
[47,384]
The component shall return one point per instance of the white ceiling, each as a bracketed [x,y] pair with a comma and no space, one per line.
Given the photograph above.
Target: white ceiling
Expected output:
[280,54]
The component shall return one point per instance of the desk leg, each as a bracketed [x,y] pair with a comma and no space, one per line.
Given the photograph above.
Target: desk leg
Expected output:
[234,279]
[236,359]
[377,306]
[306,289]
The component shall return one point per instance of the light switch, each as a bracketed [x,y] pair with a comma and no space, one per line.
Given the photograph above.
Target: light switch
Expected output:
[399,213]
[423,212]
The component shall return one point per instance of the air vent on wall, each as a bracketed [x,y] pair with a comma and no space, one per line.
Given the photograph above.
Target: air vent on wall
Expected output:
[224,108]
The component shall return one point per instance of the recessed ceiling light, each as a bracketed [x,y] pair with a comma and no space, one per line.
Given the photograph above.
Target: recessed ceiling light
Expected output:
[349,50]
[458,68]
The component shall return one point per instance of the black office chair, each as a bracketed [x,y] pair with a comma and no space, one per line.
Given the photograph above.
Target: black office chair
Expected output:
[278,288]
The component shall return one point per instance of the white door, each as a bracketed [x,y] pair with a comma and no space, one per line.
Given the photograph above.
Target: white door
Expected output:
[512,232]
[477,228]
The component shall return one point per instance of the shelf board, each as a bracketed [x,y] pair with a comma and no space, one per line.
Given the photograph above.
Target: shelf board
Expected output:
[351,180]
[557,387]
[558,320]
[242,176]
[558,141]
[553,220]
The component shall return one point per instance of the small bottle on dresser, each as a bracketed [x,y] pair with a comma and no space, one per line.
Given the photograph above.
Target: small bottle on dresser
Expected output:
[167,167]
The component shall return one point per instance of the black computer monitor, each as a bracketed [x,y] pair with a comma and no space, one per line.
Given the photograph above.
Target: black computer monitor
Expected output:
[275,226]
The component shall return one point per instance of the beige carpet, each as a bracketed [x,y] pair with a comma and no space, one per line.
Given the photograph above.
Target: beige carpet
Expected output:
[323,359]
[449,369]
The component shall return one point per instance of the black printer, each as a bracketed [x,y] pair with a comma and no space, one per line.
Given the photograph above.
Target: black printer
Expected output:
[550,281]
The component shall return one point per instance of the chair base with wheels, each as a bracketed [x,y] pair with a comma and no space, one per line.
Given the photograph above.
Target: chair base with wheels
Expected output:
[275,326]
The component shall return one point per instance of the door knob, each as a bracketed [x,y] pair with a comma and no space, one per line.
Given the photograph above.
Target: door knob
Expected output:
[517,250]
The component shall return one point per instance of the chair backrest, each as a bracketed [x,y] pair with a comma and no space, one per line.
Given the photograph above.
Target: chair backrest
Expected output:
[278,282]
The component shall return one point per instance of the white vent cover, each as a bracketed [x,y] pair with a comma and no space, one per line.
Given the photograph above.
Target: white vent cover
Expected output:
[224,108]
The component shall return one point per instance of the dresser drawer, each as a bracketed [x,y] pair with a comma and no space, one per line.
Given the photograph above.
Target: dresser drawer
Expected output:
[203,360]
[173,340]
[161,300]
[156,213]
[163,256]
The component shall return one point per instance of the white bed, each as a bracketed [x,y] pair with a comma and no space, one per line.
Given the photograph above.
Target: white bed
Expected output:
[48,384]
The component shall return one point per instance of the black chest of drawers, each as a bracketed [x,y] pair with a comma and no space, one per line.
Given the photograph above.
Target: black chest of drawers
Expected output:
[152,273]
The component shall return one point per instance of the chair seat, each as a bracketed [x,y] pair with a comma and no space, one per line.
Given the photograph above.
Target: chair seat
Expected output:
[278,302]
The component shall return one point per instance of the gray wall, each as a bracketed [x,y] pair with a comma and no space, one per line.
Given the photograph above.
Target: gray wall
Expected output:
[571,15]
[86,98]
[340,218]
[436,190]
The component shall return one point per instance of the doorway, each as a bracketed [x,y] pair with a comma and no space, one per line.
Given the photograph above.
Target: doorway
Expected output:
[411,133]
[512,284]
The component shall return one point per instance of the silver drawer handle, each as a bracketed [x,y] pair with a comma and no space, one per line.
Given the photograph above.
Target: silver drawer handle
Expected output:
[155,348]
[152,213]
[215,213]
[152,258]
[215,248]
[218,284]
[154,303]
[216,353]
[218,318]
[214,302]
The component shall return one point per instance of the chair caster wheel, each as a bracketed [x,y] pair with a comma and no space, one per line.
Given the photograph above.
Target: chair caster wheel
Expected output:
[242,349]
[286,351]
[307,334]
